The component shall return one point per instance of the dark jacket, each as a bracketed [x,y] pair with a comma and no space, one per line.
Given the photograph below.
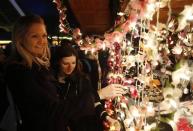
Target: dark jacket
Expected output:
[79,86]
[35,93]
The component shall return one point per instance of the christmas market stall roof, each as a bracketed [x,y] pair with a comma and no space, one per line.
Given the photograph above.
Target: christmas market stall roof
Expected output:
[91,16]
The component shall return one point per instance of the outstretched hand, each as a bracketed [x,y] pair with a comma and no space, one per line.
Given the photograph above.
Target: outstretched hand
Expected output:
[114,124]
[112,91]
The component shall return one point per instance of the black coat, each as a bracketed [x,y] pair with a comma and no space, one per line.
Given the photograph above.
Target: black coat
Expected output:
[79,86]
[35,93]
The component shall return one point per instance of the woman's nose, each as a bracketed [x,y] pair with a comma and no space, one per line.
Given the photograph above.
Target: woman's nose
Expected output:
[70,66]
[42,40]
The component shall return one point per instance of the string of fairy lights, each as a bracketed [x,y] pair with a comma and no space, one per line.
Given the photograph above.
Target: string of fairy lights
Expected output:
[152,61]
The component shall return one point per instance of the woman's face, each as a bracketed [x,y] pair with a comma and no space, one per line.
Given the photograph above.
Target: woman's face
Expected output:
[36,39]
[67,64]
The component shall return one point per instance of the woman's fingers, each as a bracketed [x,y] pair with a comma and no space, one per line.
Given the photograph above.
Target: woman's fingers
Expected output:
[119,89]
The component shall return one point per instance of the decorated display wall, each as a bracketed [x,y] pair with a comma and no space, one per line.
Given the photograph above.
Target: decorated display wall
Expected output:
[152,61]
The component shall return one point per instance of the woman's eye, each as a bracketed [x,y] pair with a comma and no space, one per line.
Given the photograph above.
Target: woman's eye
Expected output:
[34,36]
[45,36]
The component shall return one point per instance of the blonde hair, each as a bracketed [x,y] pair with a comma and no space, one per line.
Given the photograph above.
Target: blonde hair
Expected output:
[19,32]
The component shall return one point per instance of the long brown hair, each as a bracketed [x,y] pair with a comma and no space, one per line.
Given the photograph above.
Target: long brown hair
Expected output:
[65,50]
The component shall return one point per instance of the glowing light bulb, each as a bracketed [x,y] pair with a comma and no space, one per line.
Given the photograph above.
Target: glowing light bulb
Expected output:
[150,107]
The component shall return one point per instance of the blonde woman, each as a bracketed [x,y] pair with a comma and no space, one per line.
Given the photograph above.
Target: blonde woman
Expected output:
[30,81]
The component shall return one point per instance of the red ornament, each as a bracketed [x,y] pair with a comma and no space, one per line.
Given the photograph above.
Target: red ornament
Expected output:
[183,125]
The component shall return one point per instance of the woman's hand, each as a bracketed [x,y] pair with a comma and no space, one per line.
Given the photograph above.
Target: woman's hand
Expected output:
[114,124]
[111,91]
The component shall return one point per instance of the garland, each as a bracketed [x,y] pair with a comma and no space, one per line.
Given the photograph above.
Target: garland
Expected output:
[153,62]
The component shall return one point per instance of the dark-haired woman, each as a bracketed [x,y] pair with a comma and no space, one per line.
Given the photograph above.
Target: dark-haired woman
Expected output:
[75,84]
